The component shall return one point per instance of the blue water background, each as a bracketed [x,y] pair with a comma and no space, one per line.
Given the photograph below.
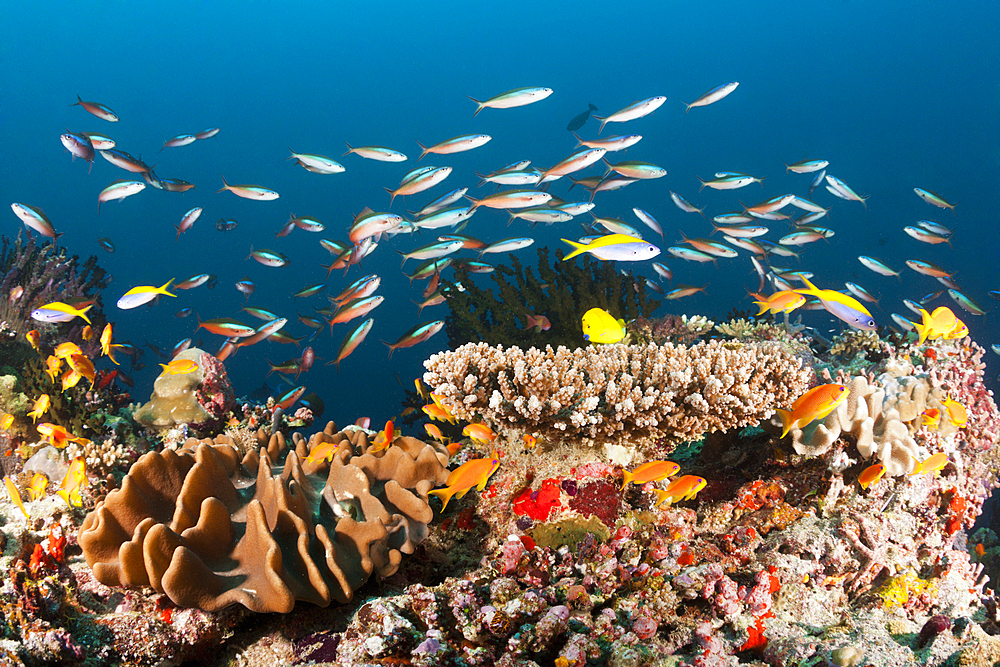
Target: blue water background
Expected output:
[895,95]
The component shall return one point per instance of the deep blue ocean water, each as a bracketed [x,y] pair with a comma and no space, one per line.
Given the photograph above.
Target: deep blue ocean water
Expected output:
[895,95]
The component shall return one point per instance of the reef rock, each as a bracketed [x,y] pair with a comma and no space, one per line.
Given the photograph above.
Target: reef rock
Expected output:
[198,399]
[210,530]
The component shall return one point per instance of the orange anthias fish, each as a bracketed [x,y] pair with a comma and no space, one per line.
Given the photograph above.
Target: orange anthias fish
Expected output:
[474,473]
[784,301]
[530,441]
[6,421]
[933,463]
[84,366]
[40,408]
[537,322]
[36,487]
[55,435]
[815,404]
[73,483]
[480,433]
[53,365]
[653,471]
[870,475]
[324,450]
[107,348]
[70,379]
[930,417]
[15,495]
[385,437]
[179,367]
[682,488]
[67,350]
[34,337]
[434,432]
[956,412]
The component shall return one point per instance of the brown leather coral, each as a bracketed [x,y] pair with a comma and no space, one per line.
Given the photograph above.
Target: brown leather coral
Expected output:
[210,530]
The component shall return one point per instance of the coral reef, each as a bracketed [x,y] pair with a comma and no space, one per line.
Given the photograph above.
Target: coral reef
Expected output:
[561,291]
[198,400]
[210,530]
[618,393]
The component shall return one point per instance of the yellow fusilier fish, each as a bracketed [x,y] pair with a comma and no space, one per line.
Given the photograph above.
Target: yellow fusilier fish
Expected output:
[841,306]
[73,483]
[474,473]
[933,463]
[653,471]
[15,495]
[40,407]
[599,326]
[58,311]
[139,296]
[621,247]
[815,404]
[179,367]
[871,475]
[682,488]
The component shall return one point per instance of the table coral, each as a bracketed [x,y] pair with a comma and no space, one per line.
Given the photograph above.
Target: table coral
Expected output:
[618,393]
[210,530]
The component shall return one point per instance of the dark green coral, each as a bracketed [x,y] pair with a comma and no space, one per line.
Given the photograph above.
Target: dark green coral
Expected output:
[561,291]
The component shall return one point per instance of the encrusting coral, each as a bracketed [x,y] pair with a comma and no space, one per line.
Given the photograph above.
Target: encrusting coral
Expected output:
[210,530]
[618,392]
[199,399]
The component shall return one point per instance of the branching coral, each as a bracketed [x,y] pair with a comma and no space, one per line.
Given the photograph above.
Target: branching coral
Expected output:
[561,291]
[618,393]
[210,530]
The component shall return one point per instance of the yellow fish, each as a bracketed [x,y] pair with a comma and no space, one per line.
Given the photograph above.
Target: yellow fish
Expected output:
[474,473]
[54,434]
[870,475]
[434,432]
[784,301]
[179,367]
[956,412]
[932,463]
[480,433]
[682,488]
[6,421]
[942,323]
[52,367]
[34,337]
[930,417]
[385,437]
[73,483]
[653,471]
[599,326]
[70,379]
[36,487]
[621,247]
[84,366]
[815,404]
[422,389]
[67,350]
[15,495]
[57,311]
[324,450]
[107,348]
[87,333]
[41,406]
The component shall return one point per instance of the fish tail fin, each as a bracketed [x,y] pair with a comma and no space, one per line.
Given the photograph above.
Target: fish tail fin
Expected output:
[163,289]
[603,123]
[423,153]
[688,107]
[787,168]
[225,186]
[392,348]
[391,192]
[83,313]
[702,183]
[626,479]
[292,156]
[480,105]
[444,495]
[786,421]
[578,139]
[350,149]
[577,249]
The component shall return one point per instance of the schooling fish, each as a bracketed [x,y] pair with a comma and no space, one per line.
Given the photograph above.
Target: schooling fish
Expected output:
[455,145]
[633,111]
[33,218]
[380,153]
[420,182]
[96,108]
[179,140]
[474,473]
[351,341]
[934,199]
[512,98]
[138,296]
[579,120]
[416,335]
[254,192]
[611,144]
[615,247]
[120,189]
[58,311]
[806,166]
[842,306]
[79,146]
[712,96]
[682,488]
[652,471]
[318,164]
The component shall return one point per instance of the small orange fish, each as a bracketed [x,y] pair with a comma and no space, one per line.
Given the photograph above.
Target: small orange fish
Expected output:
[84,366]
[40,407]
[179,367]
[530,441]
[956,412]
[325,450]
[437,413]
[980,551]
[815,404]
[34,337]
[70,379]
[36,487]
[87,332]
[474,473]
[422,391]
[784,301]
[67,350]
[454,448]
[73,483]
[15,495]
[930,418]
[652,471]
[53,365]
[434,432]
[54,434]
[384,438]
[107,348]
[933,463]
[15,294]
[942,323]
[6,421]
[682,488]
[480,433]
[870,475]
